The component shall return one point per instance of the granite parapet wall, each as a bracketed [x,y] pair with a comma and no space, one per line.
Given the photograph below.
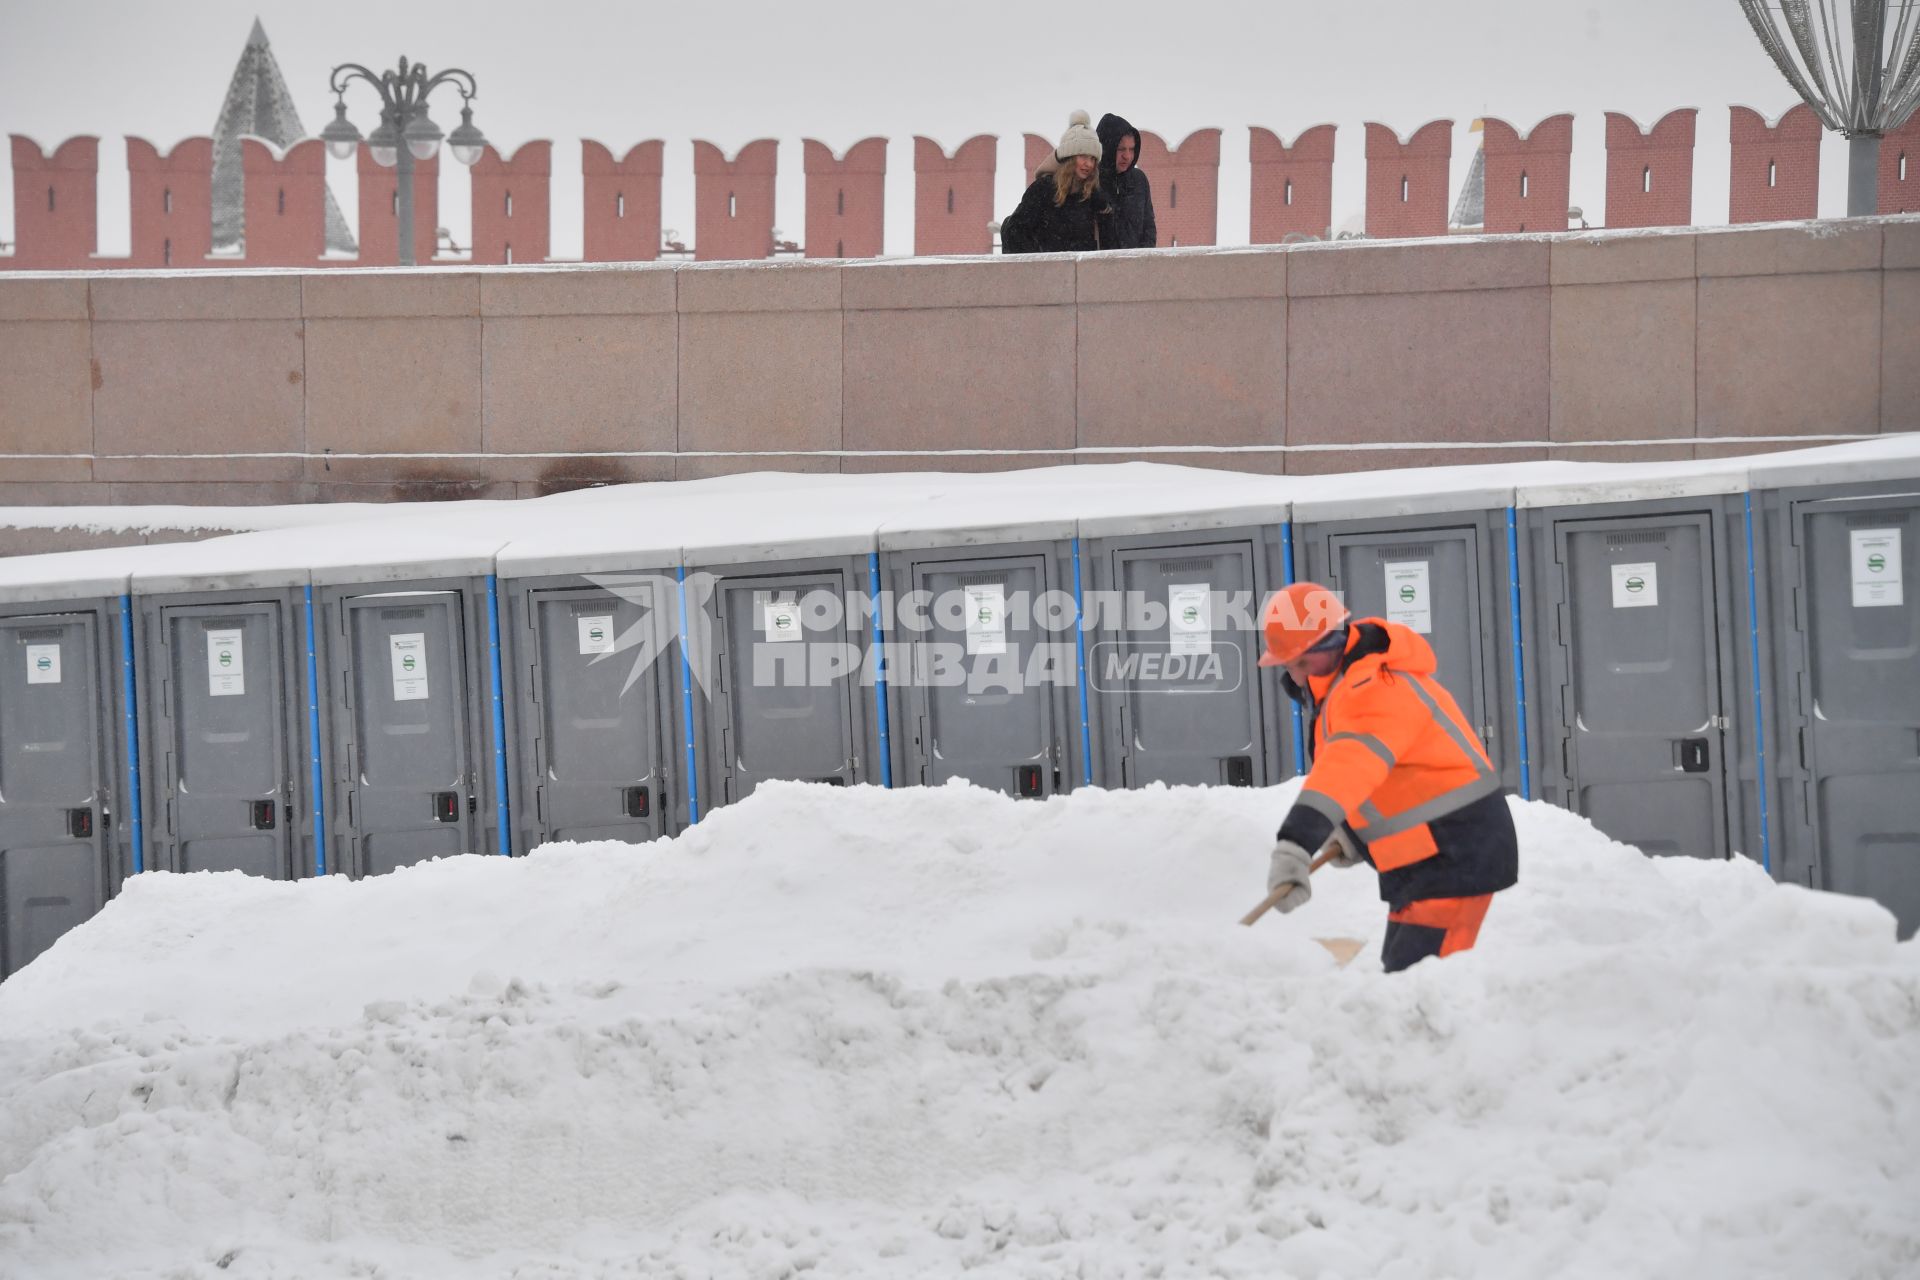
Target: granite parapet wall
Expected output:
[232,387]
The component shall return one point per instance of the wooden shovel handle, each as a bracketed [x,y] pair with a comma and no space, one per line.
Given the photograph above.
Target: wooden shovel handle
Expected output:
[1273,899]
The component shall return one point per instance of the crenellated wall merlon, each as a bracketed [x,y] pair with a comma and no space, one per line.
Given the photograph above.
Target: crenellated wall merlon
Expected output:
[1774,169]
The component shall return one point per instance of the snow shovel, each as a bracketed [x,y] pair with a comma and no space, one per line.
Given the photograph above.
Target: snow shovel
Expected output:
[1343,950]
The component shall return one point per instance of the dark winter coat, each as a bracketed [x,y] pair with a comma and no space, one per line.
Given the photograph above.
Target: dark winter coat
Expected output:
[1131,193]
[1041,226]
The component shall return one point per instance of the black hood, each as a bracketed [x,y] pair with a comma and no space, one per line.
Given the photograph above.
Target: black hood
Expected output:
[1112,128]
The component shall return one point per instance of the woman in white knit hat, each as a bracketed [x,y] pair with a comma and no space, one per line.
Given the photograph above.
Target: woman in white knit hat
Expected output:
[1064,211]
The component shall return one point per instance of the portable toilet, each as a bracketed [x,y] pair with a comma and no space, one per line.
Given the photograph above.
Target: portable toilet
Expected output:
[1636,586]
[1428,549]
[68,802]
[1175,691]
[785,684]
[416,744]
[226,709]
[590,626]
[1839,529]
[982,659]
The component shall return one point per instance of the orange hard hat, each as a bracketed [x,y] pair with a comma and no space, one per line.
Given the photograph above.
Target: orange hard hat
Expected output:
[1297,617]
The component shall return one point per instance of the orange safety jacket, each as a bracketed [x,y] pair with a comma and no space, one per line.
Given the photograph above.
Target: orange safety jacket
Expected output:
[1395,760]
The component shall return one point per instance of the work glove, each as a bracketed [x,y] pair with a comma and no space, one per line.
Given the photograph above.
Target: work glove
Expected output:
[1290,865]
[1346,848]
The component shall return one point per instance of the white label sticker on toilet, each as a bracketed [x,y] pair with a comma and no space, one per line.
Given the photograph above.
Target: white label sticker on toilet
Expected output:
[409,652]
[780,619]
[1190,618]
[1876,568]
[596,634]
[43,664]
[1636,586]
[1409,596]
[226,664]
[987,618]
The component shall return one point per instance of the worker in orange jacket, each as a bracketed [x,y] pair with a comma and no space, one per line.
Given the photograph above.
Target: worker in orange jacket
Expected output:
[1398,778]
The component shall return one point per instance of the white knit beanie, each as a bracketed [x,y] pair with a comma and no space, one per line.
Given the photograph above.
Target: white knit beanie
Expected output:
[1079,139]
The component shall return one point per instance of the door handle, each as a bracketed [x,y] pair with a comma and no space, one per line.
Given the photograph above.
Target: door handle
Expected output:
[637,802]
[446,806]
[80,823]
[1693,755]
[263,815]
[1027,781]
[1239,771]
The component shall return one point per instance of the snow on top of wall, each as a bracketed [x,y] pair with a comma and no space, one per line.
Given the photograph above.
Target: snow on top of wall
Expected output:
[742,514]
[937,1031]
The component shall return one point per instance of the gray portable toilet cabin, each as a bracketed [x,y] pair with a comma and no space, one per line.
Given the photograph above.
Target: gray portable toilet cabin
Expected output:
[228,708]
[590,626]
[1840,528]
[780,656]
[69,818]
[416,746]
[1428,549]
[1636,581]
[982,666]
[1175,693]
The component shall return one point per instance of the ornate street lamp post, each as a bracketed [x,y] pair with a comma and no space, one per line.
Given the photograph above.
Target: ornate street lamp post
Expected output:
[406,133]
[1856,63]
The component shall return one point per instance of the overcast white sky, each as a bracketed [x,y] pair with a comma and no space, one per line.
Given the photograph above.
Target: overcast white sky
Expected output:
[839,72]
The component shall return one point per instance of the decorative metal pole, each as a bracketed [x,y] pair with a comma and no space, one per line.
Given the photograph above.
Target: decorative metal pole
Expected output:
[406,133]
[405,210]
[1859,72]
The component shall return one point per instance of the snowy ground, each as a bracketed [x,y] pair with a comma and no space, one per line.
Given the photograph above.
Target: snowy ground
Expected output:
[914,1033]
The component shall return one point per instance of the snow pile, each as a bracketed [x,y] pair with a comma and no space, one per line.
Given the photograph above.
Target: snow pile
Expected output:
[914,1032]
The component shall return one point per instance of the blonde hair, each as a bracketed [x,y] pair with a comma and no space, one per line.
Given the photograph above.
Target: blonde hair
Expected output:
[1066,182]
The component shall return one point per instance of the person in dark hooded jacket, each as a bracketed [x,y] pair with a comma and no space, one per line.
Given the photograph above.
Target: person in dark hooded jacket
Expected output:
[1064,211]
[1126,186]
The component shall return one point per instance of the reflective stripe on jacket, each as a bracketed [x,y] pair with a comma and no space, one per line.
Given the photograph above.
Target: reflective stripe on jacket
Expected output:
[1392,755]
